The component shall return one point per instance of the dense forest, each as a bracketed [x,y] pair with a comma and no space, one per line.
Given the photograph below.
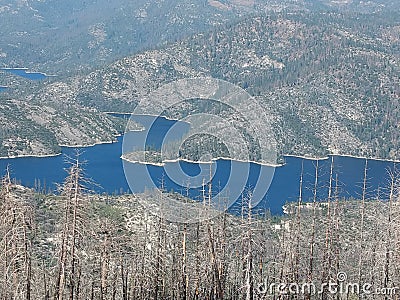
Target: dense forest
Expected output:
[78,245]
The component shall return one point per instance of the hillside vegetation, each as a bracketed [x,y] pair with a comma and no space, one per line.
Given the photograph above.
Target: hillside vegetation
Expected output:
[77,245]
[329,81]
[53,36]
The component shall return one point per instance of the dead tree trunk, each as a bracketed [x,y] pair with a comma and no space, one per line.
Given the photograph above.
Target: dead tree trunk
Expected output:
[16,228]
[362,220]
[327,258]
[313,229]
[72,192]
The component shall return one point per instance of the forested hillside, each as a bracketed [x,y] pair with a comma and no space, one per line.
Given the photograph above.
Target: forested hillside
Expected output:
[58,37]
[330,81]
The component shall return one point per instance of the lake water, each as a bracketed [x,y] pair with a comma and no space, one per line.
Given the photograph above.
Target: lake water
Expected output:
[2,88]
[23,72]
[105,168]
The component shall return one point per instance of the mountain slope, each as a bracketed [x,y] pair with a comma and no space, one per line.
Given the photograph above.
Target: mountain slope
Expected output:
[59,37]
[29,129]
[330,81]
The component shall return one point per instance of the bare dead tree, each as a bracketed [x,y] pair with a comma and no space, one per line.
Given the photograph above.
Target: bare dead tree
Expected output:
[297,230]
[361,244]
[336,234]
[327,257]
[313,225]
[248,284]
[16,229]
[389,231]
[73,229]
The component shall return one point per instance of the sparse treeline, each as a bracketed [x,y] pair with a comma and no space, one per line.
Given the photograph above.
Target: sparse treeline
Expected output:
[77,245]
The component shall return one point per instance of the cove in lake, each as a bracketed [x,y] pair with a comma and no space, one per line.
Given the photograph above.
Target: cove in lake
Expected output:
[105,167]
[23,72]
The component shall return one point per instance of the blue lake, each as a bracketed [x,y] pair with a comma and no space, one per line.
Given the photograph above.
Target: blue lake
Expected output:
[2,88]
[23,72]
[105,168]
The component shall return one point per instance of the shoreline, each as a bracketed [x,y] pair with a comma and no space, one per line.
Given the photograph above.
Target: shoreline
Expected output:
[91,145]
[19,68]
[116,113]
[146,115]
[30,156]
[143,163]
[27,72]
[307,157]
[342,155]
[368,158]
[62,146]
[199,162]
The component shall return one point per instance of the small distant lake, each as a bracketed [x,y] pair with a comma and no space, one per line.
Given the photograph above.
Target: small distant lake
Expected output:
[104,167]
[3,88]
[25,73]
